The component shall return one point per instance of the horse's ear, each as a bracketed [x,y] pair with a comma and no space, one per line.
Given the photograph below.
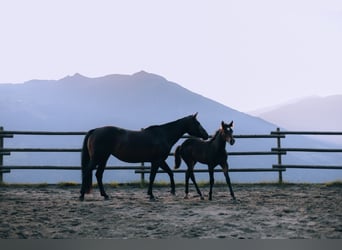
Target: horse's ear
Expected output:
[222,124]
[195,115]
[231,124]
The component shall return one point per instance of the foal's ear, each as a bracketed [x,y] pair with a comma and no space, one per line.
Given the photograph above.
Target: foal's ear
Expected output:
[222,124]
[231,124]
[195,115]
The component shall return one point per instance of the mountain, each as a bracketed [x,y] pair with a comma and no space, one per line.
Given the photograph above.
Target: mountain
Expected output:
[131,101]
[311,113]
[79,103]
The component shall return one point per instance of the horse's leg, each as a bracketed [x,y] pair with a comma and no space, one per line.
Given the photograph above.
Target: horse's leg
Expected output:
[211,176]
[87,176]
[99,175]
[225,172]
[187,177]
[82,191]
[154,170]
[168,170]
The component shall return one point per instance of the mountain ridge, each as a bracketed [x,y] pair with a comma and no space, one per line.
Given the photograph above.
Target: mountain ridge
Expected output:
[117,91]
[314,113]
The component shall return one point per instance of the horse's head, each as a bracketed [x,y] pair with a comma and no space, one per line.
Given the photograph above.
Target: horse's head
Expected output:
[227,132]
[195,128]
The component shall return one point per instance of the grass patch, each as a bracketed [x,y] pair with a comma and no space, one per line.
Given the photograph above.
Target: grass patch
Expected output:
[161,184]
[205,183]
[31,185]
[67,184]
[114,184]
[334,184]
[40,185]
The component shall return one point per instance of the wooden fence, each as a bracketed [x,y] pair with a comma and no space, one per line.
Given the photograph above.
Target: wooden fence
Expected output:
[142,169]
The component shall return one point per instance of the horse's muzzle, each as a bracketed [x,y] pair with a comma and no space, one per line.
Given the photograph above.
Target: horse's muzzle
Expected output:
[232,141]
[205,135]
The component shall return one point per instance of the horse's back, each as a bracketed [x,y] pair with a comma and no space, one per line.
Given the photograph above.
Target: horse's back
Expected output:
[202,151]
[107,133]
[194,142]
[130,145]
[116,135]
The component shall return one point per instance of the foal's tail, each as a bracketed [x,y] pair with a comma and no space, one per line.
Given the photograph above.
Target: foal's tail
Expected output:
[178,158]
[87,179]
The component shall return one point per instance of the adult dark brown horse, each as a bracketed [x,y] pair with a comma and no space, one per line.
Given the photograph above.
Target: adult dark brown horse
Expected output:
[212,153]
[152,144]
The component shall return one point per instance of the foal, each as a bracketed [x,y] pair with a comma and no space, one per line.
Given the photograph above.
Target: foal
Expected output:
[212,153]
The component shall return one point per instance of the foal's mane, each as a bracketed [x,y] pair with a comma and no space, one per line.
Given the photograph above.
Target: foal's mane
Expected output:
[215,135]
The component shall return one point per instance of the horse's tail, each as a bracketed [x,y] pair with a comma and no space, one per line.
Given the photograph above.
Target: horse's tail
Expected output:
[87,178]
[178,158]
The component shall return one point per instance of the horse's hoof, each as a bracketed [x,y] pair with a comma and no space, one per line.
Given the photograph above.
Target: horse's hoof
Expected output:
[81,198]
[152,198]
[173,192]
[234,200]
[202,198]
[186,197]
[106,198]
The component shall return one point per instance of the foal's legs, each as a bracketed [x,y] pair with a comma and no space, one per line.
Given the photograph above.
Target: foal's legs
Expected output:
[190,174]
[211,176]
[225,172]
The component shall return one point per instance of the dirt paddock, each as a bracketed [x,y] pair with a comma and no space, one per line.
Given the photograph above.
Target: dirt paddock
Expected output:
[261,211]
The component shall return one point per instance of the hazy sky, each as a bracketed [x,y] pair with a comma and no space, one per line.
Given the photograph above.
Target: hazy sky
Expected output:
[244,54]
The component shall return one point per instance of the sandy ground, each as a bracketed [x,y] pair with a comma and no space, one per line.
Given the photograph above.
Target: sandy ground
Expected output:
[261,211]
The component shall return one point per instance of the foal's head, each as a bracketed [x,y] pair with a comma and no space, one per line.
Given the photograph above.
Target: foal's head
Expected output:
[226,132]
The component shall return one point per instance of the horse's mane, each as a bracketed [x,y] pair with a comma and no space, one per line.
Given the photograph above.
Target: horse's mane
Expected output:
[168,123]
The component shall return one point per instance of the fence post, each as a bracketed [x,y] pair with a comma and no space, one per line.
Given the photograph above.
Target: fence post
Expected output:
[1,155]
[280,173]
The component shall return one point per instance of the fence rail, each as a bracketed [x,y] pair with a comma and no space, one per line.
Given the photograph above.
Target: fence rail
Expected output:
[325,150]
[142,169]
[278,132]
[284,166]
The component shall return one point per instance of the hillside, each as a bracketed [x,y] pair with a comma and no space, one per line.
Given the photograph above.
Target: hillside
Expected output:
[79,103]
[134,102]
[312,113]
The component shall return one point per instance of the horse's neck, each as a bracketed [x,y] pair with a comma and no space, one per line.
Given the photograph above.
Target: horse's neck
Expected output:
[218,142]
[174,130]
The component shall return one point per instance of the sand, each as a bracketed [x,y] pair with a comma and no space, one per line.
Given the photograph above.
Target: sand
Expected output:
[261,211]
